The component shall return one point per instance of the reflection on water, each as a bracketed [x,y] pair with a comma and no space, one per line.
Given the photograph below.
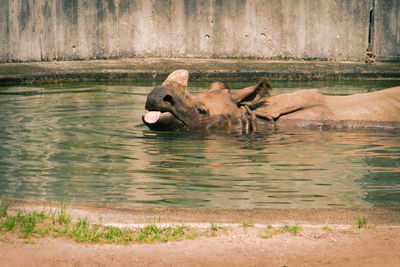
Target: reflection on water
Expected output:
[86,143]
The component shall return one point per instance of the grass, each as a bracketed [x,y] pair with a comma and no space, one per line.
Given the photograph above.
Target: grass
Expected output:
[153,233]
[27,222]
[192,235]
[3,209]
[361,221]
[247,224]
[35,224]
[270,231]
[293,229]
[9,223]
[214,228]
[63,215]
[326,227]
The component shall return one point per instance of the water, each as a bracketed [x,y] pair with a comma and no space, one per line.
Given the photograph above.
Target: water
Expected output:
[85,142]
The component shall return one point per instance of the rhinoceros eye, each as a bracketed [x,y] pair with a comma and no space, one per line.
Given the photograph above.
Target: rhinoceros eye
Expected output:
[201,111]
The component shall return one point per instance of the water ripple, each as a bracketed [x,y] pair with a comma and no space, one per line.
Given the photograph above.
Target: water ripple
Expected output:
[86,143]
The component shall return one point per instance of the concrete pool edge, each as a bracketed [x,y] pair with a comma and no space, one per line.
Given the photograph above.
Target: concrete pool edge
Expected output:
[142,215]
[148,69]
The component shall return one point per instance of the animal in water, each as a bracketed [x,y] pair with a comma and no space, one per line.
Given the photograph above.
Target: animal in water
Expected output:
[171,107]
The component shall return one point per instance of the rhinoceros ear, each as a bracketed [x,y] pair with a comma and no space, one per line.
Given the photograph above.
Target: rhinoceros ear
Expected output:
[178,76]
[253,93]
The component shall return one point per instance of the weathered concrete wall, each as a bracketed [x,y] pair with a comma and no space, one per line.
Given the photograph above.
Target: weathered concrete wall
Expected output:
[387,37]
[90,29]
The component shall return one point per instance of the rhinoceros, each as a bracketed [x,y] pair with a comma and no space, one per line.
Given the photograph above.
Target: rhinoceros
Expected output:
[171,107]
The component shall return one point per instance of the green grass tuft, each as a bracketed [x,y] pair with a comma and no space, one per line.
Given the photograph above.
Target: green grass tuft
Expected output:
[326,227]
[361,221]
[270,231]
[28,223]
[149,233]
[64,217]
[293,229]
[10,223]
[3,209]
[247,224]
[179,232]
[117,236]
[215,228]
[192,235]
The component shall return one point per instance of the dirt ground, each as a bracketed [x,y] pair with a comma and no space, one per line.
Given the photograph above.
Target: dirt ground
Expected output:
[344,245]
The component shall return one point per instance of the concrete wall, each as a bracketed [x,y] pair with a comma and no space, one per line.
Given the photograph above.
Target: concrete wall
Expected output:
[91,29]
[387,26]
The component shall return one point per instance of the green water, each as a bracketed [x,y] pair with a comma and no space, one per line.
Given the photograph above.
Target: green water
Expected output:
[86,143]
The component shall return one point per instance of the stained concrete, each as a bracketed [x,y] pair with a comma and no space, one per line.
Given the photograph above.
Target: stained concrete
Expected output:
[387,30]
[267,29]
[150,69]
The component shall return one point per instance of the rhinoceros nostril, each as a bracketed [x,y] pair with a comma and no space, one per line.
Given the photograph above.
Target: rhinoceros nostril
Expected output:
[169,99]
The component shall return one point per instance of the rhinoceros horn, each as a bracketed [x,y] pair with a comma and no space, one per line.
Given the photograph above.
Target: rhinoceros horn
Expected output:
[179,76]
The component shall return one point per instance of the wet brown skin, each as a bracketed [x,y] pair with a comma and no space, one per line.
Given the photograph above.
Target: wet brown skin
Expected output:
[172,107]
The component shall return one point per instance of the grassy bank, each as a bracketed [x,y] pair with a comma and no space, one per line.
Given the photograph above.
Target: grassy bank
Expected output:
[57,221]
[38,224]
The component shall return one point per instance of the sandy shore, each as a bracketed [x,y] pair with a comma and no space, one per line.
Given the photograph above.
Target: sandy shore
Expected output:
[344,245]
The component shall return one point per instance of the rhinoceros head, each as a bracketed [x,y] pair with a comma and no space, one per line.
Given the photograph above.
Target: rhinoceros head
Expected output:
[171,107]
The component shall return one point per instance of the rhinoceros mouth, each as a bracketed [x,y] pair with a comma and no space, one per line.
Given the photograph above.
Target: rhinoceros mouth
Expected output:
[162,121]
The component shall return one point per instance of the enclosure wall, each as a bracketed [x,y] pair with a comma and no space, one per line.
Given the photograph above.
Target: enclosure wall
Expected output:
[278,29]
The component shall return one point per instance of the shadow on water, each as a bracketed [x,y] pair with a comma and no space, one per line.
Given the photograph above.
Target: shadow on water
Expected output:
[85,142]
